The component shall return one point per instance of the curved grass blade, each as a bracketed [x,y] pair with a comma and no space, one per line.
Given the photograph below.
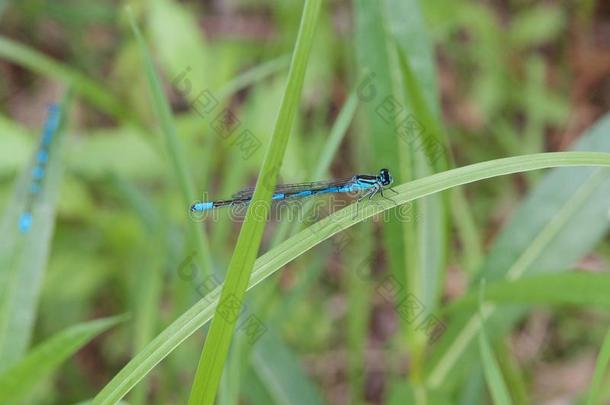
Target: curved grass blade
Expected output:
[211,364]
[20,378]
[553,228]
[270,262]
[25,236]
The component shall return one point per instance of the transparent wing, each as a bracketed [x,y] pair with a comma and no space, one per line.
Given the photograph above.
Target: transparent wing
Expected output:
[297,187]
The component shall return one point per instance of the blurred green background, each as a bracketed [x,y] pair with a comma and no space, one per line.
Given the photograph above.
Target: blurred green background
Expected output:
[487,79]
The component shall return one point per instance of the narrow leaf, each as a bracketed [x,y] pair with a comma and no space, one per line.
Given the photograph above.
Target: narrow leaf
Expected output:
[177,156]
[275,259]
[601,366]
[588,289]
[25,236]
[217,343]
[279,371]
[491,369]
[42,64]
[560,221]
[19,379]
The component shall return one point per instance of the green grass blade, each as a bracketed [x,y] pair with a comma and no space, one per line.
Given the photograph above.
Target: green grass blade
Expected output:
[250,77]
[254,75]
[407,26]
[182,50]
[278,369]
[416,61]
[426,238]
[375,86]
[491,369]
[148,295]
[425,266]
[587,289]
[97,94]
[20,378]
[375,70]
[179,43]
[327,155]
[147,288]
[139,202]
[211,364]
[358,255]
[601,366]
[400,393]
[305,240]
[514,374]
[23,257]
[257,393]
[557,224]
[336,135]
[163,111]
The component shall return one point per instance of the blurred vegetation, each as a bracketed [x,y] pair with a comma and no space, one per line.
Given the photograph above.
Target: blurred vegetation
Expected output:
[486,79]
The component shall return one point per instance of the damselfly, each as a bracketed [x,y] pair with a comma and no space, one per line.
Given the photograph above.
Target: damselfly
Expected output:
[367,185]
[39,168]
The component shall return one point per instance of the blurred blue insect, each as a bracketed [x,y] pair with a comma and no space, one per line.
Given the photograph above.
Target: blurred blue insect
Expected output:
[40,165]
[368,185]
